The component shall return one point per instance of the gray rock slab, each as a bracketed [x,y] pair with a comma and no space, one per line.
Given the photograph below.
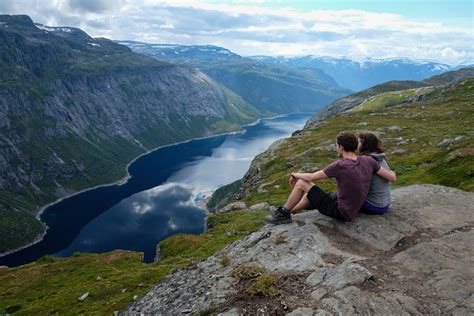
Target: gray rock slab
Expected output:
[447,264]
[414,208]
[260,206]
[232,207]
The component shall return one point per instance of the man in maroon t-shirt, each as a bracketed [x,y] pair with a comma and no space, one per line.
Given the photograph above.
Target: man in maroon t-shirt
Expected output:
[353,176]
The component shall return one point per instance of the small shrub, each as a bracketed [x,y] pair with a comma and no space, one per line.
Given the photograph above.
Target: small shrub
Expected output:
[264,285]
[225,260]
[248,272]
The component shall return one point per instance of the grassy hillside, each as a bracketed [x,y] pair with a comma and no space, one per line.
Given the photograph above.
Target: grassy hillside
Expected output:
[412,149]
[355,99]
[54,285]
[387,99]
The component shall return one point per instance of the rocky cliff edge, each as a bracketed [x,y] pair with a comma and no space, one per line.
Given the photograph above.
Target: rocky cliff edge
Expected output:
[416,259]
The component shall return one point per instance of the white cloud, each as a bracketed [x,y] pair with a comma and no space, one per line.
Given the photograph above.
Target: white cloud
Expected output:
[252,30]
[168,26]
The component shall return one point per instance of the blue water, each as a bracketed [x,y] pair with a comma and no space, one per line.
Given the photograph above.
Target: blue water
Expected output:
[163,196]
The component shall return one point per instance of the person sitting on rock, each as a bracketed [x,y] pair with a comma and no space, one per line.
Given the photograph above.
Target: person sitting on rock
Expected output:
[353,177]
[379,196]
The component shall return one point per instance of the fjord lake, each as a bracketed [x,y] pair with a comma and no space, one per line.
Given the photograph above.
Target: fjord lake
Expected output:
[164,195]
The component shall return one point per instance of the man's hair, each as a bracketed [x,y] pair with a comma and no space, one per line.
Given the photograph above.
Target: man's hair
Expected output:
[369,144]
[348,141]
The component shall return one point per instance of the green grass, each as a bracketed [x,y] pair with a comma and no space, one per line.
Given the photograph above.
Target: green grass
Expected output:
[388,99]
[53,285]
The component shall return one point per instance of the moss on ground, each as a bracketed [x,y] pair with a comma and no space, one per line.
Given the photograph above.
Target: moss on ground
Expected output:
[264,285]
[257,280]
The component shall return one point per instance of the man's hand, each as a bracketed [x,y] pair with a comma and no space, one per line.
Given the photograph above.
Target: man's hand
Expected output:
[387,174]
[292,181]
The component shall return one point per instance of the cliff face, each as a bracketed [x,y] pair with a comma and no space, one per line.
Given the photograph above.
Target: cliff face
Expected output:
[75,110]
[140,110]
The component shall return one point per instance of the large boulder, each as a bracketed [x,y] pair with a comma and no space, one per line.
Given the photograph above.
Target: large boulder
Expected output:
[415,259]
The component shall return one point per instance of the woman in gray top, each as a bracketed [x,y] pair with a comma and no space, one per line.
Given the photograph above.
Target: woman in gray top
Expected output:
[379,197]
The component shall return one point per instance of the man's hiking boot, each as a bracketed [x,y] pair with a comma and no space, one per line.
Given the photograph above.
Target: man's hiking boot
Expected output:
[280,216]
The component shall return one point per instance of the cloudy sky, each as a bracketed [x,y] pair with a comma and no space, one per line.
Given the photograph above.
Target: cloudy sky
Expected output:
[439,30]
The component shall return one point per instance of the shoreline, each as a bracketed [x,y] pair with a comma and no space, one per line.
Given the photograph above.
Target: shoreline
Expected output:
[124,179]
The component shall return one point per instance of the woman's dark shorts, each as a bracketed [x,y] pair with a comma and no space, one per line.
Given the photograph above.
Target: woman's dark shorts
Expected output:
[324,202]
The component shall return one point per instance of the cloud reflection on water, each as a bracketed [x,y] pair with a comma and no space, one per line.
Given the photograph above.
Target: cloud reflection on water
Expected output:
[141,221]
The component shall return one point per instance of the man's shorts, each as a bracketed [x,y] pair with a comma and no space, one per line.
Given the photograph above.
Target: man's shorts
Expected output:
[324,202]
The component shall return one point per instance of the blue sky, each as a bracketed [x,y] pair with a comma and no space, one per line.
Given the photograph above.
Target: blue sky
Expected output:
[446,10]
[430,30]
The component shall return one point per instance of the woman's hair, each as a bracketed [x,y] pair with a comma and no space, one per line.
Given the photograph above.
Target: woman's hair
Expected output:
[369,143]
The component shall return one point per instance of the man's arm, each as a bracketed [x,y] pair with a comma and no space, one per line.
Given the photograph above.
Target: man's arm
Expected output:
[310,177]
[387,174]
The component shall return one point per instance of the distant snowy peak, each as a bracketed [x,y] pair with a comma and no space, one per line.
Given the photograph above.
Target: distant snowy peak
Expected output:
[362,74]
[364,63]
[186,51]
[63,31]
[53,29]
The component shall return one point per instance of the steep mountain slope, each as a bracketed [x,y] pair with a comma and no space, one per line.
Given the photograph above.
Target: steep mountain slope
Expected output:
[417,92]
[270,88]
[362,75]
[75,110]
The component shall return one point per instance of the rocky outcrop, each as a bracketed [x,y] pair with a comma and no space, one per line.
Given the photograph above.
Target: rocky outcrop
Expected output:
[416,259]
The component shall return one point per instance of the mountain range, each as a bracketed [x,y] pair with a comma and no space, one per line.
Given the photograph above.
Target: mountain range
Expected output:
[270,88]
[359,75]
[337,72]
